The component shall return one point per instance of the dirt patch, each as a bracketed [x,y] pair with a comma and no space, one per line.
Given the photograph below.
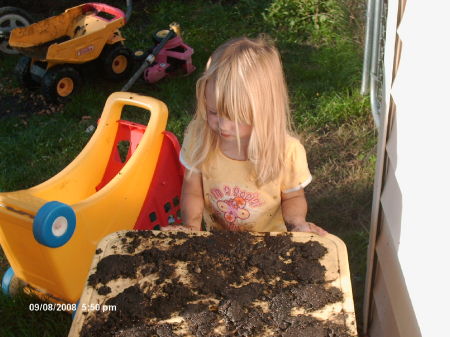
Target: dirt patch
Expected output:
[235,284]
[23,103]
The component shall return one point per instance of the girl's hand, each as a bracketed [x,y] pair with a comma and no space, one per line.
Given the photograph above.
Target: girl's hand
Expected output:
[306,226]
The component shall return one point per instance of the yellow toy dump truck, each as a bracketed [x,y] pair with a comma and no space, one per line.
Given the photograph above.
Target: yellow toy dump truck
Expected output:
[55,48]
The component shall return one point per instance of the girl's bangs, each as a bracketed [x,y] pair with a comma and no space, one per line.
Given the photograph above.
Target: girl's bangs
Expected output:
[233,104]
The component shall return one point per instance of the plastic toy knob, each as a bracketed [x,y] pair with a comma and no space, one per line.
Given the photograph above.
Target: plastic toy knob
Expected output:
[54,224]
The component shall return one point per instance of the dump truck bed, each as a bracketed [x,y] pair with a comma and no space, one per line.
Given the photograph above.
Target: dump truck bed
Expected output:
[76,36]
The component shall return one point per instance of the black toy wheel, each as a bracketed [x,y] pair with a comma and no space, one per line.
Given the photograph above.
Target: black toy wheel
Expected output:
[10,18]
[117,62]
[159,35]
[60,83]
[23,74]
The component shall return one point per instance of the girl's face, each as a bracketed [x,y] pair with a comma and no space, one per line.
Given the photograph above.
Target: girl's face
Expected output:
[224,127]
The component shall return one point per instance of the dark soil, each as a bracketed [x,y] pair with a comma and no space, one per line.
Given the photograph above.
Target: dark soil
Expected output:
[23,103]
[230,275]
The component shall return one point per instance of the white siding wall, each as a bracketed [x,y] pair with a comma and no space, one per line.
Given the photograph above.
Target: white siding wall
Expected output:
[421,92]
[409,253]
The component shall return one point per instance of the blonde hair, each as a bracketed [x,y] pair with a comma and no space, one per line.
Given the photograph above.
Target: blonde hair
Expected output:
[250,88]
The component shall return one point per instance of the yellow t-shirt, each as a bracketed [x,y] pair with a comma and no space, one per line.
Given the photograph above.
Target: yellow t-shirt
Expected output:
[234,202]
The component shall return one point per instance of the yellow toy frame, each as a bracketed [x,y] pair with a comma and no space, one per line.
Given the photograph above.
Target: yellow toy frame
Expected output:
[61,271]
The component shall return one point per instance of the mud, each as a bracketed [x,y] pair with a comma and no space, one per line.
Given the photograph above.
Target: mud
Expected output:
[236,284]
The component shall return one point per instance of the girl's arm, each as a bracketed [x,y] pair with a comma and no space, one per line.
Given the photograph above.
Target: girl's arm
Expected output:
[192,202]
[294,208]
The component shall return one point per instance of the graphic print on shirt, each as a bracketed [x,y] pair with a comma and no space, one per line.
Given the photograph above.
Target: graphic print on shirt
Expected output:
[233,206]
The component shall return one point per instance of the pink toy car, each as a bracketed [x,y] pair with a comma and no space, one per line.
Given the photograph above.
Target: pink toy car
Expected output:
[170,56]
[174,57]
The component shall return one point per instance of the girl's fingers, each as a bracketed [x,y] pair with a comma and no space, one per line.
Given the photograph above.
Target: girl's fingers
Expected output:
[309,227]
[316,229]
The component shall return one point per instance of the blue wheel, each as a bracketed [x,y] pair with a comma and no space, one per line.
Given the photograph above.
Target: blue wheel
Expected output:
[54,224]
[6,281]
[11,284]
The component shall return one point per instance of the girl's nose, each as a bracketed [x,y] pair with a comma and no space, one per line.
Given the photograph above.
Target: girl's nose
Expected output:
[225,124]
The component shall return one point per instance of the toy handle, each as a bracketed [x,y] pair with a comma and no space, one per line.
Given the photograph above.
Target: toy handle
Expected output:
[99,7]
[149,60]
[116,102]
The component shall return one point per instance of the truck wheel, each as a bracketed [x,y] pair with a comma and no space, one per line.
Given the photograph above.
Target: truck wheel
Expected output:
[117,62]
[10,18]
[23,74]
[54,224]
[11,284]
[60,83]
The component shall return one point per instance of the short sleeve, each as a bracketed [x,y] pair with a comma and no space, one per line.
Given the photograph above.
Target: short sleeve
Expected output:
[295,175]
[184,157]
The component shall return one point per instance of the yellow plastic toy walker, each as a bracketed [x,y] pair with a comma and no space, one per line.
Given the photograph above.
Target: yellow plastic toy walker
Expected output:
[49,232]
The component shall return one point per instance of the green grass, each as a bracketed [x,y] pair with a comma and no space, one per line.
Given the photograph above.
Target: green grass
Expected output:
[36,144]
[19,318]
[323,74]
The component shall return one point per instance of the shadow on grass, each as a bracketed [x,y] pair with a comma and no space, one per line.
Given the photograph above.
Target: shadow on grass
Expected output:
[21,319]
[342,161]
[345,212]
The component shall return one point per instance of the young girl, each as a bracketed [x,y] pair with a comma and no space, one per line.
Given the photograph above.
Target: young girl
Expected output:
[244,169]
